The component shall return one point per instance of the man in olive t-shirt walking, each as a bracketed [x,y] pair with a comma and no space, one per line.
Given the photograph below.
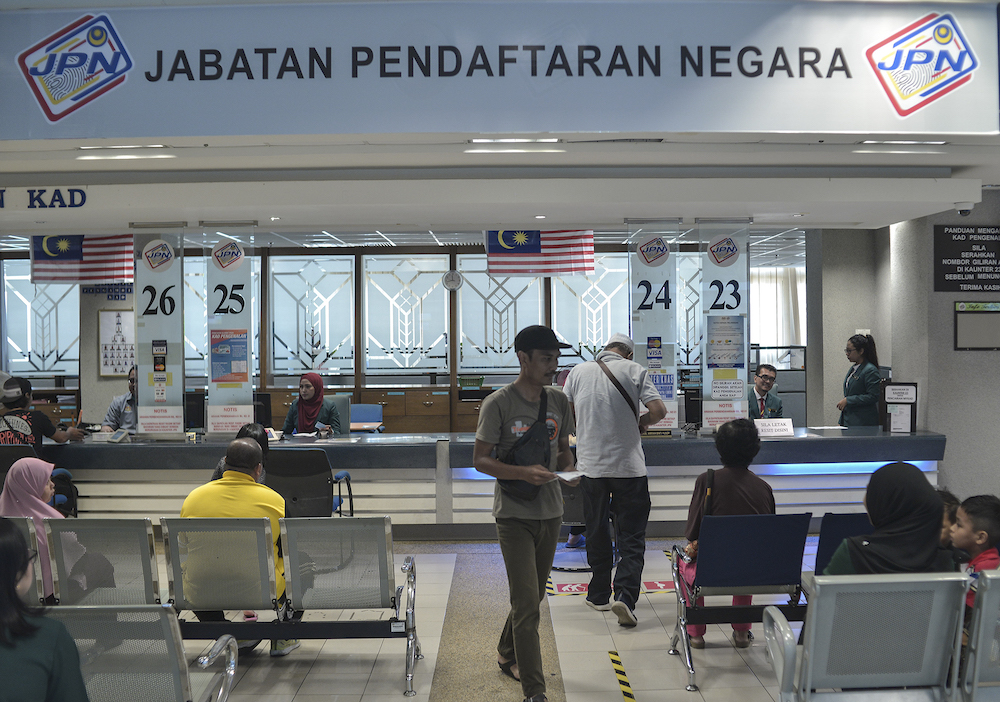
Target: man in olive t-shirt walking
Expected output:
[527,528]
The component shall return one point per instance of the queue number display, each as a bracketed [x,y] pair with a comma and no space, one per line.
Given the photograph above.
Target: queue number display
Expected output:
[662,296]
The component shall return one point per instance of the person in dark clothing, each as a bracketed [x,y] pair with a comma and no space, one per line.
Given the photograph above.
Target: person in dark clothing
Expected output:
[735,490]
[24,426]
[906,512]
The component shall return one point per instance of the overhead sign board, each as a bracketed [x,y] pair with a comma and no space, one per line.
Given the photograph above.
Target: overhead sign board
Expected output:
[407,67]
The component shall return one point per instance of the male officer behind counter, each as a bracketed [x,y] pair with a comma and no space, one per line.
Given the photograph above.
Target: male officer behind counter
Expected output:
[609,454]
[763,403]
[121,413]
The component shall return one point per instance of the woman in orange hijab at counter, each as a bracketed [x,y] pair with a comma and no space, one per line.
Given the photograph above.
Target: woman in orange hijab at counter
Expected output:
[310,411]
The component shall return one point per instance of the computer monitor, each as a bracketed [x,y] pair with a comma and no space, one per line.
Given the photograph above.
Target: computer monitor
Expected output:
[262,408]
[194,410]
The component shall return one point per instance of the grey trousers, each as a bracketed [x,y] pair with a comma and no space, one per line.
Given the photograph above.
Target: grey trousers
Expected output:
[528,547]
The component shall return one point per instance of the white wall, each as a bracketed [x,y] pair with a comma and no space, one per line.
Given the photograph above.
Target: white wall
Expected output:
[958,391]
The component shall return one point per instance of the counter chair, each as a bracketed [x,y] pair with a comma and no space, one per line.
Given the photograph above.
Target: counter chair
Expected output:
[103,561]
[872,637]
[982,660]
[834,529]
[135,652]
[753,554]
[367,414]
[304,477]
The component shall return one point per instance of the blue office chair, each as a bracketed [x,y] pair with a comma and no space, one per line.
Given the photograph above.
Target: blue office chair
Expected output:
[367,413]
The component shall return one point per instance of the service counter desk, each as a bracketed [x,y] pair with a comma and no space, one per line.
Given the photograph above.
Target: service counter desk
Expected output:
[426,482]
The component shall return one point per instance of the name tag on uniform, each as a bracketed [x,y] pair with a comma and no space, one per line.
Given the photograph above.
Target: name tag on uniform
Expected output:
[774,427]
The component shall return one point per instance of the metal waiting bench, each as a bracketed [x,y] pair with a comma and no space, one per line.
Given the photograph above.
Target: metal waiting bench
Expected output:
[872,637]
[135,652]
[329,564]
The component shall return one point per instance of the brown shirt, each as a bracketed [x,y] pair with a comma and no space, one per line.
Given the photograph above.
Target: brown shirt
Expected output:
[735,491]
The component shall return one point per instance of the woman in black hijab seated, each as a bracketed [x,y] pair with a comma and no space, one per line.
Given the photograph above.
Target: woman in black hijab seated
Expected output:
[906,512]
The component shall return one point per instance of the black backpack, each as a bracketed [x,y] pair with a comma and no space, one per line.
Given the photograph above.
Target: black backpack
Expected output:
[67,496]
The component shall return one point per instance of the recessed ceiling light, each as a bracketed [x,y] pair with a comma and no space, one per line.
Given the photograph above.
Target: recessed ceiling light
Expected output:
[122,157]
[539,216]
[515,151]
[797,214]
[905,142]
[123,146]
[275,219]
[514,141]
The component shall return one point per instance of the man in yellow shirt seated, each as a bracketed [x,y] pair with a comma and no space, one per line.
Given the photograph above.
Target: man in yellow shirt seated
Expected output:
[238,494]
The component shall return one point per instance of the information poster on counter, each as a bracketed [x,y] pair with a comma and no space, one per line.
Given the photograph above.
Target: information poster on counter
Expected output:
[229,292]
[159,301]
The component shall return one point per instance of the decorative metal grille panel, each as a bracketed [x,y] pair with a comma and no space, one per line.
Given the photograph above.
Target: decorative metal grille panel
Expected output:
[587,310]
[406,313]
[42,324]
[312,313]
[689,319]
[491,312]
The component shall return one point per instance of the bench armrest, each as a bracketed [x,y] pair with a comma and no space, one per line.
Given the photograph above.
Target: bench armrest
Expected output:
[224,644]
[780,642]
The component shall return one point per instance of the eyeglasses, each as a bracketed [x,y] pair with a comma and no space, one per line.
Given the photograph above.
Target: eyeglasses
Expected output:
[768,378]
[849,350]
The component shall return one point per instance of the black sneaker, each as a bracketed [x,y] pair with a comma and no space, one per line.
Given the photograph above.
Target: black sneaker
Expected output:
[540,697]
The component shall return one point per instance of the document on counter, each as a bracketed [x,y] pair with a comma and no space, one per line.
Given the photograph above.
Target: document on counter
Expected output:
[569,475]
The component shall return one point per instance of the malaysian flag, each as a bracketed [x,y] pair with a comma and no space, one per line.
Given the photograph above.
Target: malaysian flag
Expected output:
[81,258]
[512,252]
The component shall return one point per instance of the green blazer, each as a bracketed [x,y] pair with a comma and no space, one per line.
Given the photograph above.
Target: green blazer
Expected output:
[772,406]
[862,395]
[328,415]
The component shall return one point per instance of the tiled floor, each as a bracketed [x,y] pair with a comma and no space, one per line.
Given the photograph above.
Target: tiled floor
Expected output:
[362,670]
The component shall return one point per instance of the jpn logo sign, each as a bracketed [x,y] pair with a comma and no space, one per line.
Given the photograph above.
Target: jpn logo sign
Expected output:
[75,66]
[654,250]
[227,255]
[922,62]
[723,250]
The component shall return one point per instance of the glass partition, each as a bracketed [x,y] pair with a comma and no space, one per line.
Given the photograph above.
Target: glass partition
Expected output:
[406,314]
[587,310]
[491,312]
[312,315]
[41,322]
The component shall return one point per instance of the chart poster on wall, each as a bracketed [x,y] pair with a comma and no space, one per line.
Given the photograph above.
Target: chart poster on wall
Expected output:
[116,330]
[653,275]
[229,294]
[966,258]
[159,335]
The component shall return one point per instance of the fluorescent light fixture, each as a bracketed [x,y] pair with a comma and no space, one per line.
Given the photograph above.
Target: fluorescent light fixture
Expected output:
[123,146]
[514,141]
[275,219]
[123,157]
[885,152]
[227,224]
[157,225]
[515,151]
[539,216]
[904,142]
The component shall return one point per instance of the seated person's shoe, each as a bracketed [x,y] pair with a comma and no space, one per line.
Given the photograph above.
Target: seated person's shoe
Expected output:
[697,641]
[283,647]
[247,645]
[742,639]
[576,541]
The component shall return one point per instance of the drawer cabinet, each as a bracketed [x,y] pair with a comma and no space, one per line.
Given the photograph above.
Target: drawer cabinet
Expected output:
[393,401]
[425,402]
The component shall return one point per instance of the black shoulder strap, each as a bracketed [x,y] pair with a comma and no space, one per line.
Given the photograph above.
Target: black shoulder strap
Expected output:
[607,371]
[543,406]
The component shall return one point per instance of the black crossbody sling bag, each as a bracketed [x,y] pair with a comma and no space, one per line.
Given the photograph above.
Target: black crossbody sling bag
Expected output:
[531,448]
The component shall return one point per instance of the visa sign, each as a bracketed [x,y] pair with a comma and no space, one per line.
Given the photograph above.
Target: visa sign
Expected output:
[75,65]
[922,62]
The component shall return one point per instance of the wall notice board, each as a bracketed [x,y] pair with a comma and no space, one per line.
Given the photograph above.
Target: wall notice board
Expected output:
[977,326]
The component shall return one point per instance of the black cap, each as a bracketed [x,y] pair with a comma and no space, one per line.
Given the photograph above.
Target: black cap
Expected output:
[537,337]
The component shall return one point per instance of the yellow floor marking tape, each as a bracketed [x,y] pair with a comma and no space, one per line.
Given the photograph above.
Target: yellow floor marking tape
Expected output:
[550,588]
[623,683]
